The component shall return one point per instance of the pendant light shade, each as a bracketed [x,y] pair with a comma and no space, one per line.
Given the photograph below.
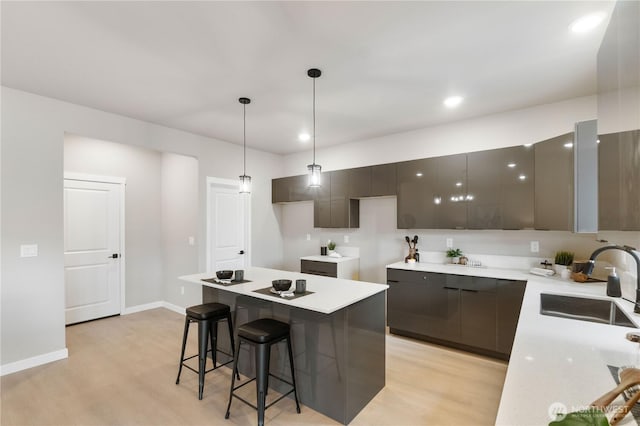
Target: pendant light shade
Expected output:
[245,181]
[314,170]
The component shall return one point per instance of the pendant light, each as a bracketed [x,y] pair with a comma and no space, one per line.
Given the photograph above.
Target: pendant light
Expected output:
[314,169]
[245,181]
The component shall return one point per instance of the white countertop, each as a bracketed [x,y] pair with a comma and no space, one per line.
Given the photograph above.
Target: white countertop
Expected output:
[329,259]
[330,294]
[449,268]
[556,360]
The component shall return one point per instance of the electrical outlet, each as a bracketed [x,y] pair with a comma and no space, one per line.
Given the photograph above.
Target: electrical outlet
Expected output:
[449,242]
[346,239]
[192,241]
[29,250]
[535,247]
[308,237]
[182,290]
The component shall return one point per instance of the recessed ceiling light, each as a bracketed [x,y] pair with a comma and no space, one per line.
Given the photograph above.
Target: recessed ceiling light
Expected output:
[511,165]
[453,101]
[568,145]
[587,23]
[304,137]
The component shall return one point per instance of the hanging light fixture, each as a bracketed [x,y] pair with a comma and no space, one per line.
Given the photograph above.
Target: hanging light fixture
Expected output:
[314,169]
[245,181]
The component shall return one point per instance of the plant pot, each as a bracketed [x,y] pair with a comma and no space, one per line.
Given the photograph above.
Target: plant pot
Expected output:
[455,260]
[559,268]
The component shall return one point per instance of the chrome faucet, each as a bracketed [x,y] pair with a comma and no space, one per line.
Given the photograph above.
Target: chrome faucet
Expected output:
[631,251]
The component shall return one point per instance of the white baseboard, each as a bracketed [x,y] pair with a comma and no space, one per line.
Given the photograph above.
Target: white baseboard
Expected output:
[174,308]
[34,361]
[140,308]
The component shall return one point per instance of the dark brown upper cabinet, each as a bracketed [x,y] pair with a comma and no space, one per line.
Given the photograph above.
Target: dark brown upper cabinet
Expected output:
[359,184]
[383,180]
[619,181]
[332,206]
[431,193]
[290,189]
[500,192]
[554,193]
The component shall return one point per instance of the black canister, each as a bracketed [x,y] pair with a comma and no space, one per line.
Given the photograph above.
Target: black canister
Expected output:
[301,286]
[323,251]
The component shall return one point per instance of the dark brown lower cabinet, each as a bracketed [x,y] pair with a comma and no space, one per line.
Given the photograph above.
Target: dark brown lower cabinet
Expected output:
[326,269]
[473,313]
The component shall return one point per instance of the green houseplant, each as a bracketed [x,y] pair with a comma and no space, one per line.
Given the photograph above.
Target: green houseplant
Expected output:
[562,261]
[454,255]
[331,245]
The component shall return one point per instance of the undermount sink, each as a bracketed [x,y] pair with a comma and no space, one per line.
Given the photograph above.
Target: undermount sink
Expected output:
[584,309]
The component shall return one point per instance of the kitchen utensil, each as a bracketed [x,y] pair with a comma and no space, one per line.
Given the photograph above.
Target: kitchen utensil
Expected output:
[408,241]
[281,285]
[224,275]
[621,412]
[415,241]
[628,377]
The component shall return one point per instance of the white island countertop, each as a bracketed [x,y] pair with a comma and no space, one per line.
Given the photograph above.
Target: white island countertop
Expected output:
[329,294]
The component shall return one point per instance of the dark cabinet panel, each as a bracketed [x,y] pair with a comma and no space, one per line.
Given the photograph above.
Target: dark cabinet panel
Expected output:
[332,206]
[360,182]
[326,269]
[419,302]
[476,312]
[431,193]
[508,303]
[619,181]
[554,183]
[383,180]
[290,189]
[500,191]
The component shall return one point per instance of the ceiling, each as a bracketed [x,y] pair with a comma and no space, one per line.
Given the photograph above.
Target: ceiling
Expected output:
[387,66]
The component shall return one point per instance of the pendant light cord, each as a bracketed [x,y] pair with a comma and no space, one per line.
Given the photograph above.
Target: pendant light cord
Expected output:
[314,121]
[244,138]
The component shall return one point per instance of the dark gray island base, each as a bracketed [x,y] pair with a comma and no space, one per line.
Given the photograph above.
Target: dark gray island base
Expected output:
[339,357]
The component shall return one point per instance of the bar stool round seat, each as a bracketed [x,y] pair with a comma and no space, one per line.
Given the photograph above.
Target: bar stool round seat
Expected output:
[207,315]
[262,334]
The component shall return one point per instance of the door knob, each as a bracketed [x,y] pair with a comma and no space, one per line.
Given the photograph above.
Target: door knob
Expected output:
[113,256]
[241,252]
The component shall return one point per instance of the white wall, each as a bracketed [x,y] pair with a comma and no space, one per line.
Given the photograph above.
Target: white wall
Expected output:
[33,129]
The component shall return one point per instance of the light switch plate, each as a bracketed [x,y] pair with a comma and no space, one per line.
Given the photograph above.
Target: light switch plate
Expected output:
[449,242]
[308,237]
[535,246]
[28,250]
[346,239]
[192,241]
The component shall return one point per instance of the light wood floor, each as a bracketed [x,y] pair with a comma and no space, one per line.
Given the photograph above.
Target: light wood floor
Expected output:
[121,371]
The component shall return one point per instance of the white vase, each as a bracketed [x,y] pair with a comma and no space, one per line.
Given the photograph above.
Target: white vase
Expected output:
[559,268]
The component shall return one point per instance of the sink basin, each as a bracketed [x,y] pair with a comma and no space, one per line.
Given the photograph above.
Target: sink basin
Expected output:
[584,309]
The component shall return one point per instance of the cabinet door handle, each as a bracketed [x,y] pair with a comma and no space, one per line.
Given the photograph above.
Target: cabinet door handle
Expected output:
[469,290]
[450,288]
[392,281]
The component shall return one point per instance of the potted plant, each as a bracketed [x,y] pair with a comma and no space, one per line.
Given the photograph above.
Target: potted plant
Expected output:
[454,255]
[562,261]
[331,246]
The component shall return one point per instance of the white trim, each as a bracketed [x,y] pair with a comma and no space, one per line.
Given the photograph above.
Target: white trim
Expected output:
[123,187]
[94,178]
[144,307]
[175,308]
[211,181]
[34,361]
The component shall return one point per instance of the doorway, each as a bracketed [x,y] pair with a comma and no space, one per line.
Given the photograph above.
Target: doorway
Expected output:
[93,246]
[228,226]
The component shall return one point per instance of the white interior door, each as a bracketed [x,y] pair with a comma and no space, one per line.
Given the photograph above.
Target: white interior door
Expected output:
[228,226]
[92,249]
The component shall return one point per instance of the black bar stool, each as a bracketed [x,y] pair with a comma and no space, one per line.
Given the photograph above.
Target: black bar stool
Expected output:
[262,334]
[207,316]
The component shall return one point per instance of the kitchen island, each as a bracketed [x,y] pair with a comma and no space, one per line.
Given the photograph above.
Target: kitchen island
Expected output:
[338,335]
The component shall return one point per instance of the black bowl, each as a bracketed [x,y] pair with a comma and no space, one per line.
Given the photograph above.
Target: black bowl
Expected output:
[281,285]
[224,275]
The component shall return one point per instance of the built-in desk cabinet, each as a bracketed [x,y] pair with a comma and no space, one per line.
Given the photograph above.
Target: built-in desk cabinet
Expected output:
[619,181]
[473,313]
